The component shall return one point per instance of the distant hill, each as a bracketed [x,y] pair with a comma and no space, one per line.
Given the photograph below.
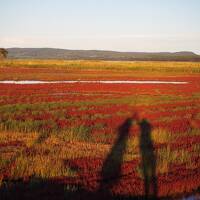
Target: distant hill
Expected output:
[51,53]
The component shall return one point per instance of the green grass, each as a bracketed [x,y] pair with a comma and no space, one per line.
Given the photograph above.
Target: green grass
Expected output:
[16,117]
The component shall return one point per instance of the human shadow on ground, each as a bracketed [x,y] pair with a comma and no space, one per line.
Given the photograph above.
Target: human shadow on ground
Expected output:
[148,160]
[111,169]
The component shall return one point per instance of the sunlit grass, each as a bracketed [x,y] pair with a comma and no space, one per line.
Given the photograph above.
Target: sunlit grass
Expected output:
[192,67]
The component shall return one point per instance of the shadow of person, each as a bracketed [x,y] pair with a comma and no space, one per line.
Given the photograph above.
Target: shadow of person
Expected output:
[148,160]
[111,170]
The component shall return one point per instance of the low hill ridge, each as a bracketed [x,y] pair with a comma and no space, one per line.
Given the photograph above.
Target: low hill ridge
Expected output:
[53,53]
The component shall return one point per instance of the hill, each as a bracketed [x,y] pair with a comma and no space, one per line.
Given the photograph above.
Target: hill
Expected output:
[51,53]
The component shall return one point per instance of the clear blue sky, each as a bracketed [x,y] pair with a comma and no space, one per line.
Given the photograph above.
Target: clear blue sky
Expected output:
[125,25]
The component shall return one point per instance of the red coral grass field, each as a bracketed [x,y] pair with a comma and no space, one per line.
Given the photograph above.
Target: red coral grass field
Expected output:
[94,140]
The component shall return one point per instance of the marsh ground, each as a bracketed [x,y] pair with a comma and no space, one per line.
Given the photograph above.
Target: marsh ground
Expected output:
[83,140]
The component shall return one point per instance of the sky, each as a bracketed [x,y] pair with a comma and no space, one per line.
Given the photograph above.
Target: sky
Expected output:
[120,25]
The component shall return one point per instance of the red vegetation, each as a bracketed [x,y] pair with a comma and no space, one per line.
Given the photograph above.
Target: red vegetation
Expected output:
[103,108]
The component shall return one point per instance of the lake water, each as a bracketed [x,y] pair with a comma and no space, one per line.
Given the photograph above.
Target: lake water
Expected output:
[27,82]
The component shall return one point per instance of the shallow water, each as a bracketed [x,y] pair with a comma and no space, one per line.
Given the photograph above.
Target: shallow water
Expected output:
[27,82]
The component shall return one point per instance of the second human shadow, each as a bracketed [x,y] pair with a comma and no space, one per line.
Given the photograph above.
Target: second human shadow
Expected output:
[148,160]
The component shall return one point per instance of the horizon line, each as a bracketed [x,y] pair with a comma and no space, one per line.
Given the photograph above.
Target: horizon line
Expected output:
[120,51]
